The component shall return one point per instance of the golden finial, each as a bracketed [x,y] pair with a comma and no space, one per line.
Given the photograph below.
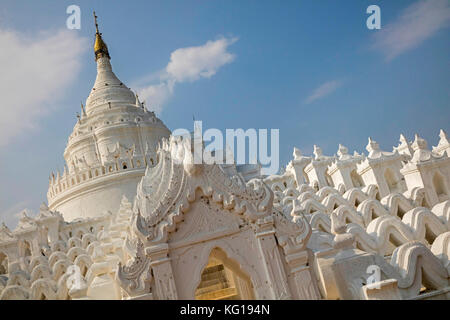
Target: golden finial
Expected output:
[100,48]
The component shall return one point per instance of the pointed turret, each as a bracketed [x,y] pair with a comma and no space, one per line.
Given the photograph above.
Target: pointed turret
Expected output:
[144,106]
[297,153]
[421,152]
[372,147]
[404,147]
[318,154]
[342,153]
[83,112]
[443,145]
[138,103]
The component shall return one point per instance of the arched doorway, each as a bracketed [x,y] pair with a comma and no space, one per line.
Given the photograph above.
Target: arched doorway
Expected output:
[329,180]
[439,186]
[391,181]
[356,179]
[45,239]
[3,263]
[223,279]
[26,249]
[305,176]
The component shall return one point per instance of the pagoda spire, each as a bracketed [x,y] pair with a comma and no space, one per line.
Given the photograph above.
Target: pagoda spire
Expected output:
[100,47]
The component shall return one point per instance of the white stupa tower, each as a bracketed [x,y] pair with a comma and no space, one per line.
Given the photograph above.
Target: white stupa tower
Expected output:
[112,143]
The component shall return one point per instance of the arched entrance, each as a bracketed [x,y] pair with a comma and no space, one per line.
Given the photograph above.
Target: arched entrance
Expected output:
[26,249]
[3,263]
[223,279]
[391,181]
[356,179]
[439,186]
[329,180]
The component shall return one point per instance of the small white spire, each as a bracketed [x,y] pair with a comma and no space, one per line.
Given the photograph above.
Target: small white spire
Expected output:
[138,103]
[83,111]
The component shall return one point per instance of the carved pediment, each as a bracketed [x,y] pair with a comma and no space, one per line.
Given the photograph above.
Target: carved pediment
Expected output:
[45,212]
[166,191]
[26,222]
[206,219]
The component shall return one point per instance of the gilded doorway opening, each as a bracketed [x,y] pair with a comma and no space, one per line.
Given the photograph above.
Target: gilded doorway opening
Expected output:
[222,279]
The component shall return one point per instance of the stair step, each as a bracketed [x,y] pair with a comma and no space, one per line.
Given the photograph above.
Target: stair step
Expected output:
[223,294]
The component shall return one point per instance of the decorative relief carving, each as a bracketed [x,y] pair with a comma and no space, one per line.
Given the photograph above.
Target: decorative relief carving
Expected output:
[166,191]
[135,278]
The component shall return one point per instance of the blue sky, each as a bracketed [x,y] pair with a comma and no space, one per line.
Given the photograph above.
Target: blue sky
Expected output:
[310,68]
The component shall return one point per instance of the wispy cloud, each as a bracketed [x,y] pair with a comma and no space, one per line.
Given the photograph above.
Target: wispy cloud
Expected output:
[187,65]
[324,90]
[35,73]
[416,23]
